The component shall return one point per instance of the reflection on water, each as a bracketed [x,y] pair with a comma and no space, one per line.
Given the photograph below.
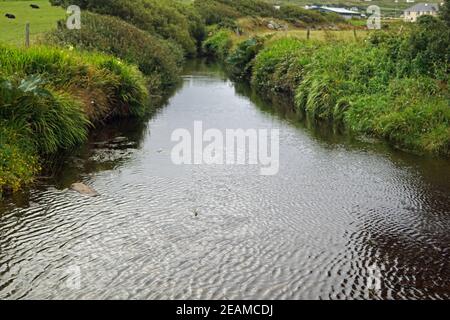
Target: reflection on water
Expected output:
[339,206]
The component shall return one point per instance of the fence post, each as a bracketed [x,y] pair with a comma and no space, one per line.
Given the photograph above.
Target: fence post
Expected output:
[308,33]
[27,35]
[354,33]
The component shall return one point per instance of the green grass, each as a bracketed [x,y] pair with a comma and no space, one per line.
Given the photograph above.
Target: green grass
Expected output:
[12,31]
[358,85]
[49,99]
[155,57]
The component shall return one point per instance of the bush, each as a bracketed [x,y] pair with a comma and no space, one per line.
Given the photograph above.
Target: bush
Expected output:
[278,68]
[56,118]
[218,11]
[241,59]
[214,12]
[445,13]
[218,45]
[413,113]
[167,18]
[154,57]
[422,49]
[296,14]
[18,160]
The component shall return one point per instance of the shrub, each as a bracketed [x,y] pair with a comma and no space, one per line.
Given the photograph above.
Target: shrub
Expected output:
[113,36]
[296,14]
[56,118]
[217,11]
[18,160]
[413,113]
[218,45]
[241,59]
[166,18]
[214,12]
[421,49]
[445,13]
[278,68]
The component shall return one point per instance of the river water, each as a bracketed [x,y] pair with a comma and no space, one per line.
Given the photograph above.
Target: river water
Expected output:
[344,218]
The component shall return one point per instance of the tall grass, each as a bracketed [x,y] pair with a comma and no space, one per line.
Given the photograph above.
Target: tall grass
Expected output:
[218,45]
[169,19]
[49,97]
[155,57]
[102,83]
[366,88]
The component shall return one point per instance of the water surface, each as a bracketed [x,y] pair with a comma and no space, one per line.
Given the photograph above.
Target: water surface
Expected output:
[339,206]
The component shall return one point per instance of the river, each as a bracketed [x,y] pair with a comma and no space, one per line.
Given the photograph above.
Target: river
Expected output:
[344,218]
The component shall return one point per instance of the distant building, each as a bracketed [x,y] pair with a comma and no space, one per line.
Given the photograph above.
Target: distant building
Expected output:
[420,9]
[345,13]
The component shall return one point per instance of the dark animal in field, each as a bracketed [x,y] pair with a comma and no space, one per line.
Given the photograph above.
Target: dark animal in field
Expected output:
[34,6]
[10,16]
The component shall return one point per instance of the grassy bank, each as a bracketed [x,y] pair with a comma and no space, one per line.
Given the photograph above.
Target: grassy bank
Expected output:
[160,60]
[50,98]
[391,85]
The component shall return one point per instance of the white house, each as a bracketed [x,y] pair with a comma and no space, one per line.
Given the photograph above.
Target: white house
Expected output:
[420,9]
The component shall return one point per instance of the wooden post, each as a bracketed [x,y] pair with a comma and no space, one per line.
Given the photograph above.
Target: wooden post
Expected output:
[308,33]
[354,33]
[27,35]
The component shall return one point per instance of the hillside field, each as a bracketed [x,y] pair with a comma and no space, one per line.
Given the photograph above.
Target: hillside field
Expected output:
[41,20]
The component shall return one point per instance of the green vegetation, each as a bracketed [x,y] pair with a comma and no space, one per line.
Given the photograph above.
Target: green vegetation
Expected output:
[225,12]
[155,57]
[42,20]
[169,19]
[218,45]
[392,85]
[53,93]
[49,98]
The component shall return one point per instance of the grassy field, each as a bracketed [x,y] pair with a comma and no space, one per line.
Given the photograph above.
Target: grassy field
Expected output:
[41,20]
[248,29]
[389,8]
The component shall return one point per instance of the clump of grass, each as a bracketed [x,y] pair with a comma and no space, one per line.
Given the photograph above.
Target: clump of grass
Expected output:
[102,83]
[241,59]
[279,67]
[49,97]
[18,161]
[218,45]
[56,118]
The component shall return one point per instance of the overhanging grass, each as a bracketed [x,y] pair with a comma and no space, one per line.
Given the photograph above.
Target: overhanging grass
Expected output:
[49,97]
[359,86]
